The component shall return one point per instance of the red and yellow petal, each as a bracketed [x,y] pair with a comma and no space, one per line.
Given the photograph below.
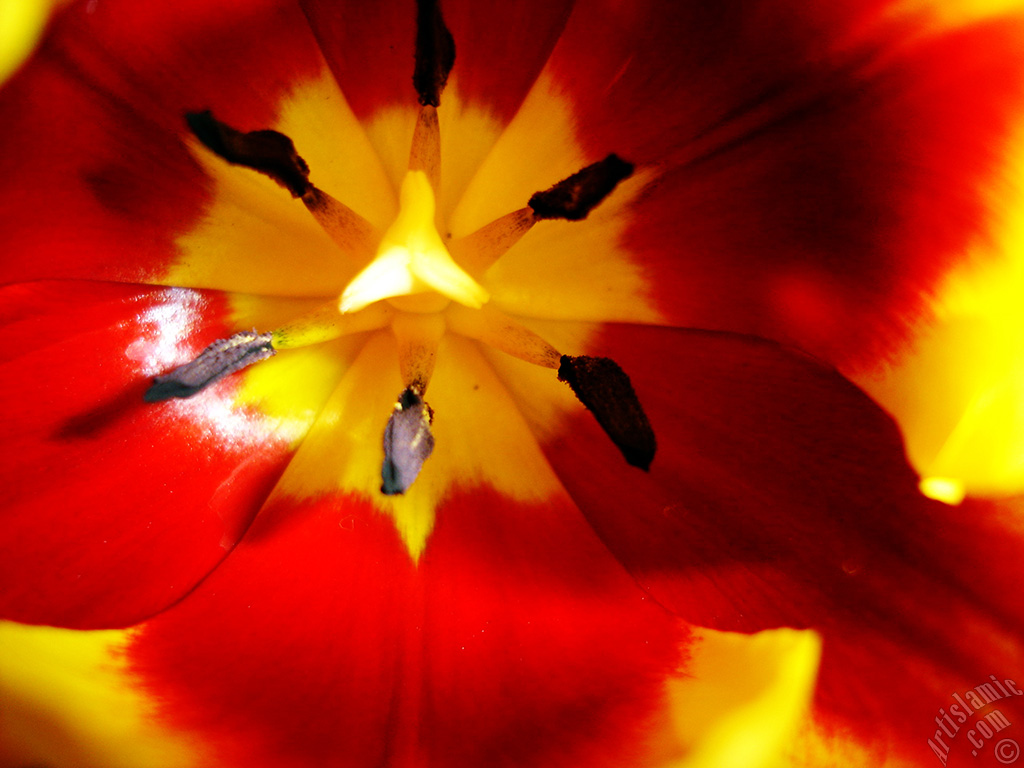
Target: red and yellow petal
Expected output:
[780,496]
[813,164]
[118,507]
[21,26]
[396,629]
[515,636]
[102,182]
[956,389]
[562,270]
[744,696]
[68,701]
[71,699]
[500,50]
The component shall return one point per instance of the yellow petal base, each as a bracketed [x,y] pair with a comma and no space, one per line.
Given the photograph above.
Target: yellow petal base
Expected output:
[744,697]
[66,700]
[958,392]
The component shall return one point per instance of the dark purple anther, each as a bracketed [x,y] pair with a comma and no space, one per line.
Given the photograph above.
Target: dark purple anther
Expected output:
[408,443]
[575,197]
[215,362]
[605,389]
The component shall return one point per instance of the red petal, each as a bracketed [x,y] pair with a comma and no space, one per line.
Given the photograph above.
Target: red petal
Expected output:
[101,183]
[649,77]
[516,635]
[820,170]
[114,508]
[936,640]
[780,496]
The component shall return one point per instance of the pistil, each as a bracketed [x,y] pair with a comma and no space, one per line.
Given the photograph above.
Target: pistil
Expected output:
[413,260]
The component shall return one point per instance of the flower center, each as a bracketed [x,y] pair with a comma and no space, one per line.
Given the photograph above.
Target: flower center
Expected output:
[409,280]
[413,269]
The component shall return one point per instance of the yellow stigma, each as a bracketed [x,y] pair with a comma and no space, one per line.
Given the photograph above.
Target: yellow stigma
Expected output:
[413,267]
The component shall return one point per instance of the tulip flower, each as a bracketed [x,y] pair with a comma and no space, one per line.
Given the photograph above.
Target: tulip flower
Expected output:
[412,384]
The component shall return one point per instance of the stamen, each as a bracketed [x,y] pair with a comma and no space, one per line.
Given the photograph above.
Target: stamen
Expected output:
[479,250]
[418,336]
[575,197]
[425,154]
[269,152]
[498,330]
[599,383]
[273,154]
[571,199]
[606,391]
[408,442]
[435,53]
[353,234]
[326,322]
[215,362]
